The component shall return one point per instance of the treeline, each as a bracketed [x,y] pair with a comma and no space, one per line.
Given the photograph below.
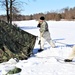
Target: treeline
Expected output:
[66,14]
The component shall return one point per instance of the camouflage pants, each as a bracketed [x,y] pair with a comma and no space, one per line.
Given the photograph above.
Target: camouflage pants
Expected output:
[46,37]
[72,55]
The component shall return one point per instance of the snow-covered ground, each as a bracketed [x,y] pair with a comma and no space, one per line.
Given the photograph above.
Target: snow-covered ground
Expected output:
[45,63]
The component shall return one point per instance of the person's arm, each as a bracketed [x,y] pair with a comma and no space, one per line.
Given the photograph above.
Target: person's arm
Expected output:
[42,29]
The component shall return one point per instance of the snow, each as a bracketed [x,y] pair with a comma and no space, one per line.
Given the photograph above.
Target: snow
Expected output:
[45,63]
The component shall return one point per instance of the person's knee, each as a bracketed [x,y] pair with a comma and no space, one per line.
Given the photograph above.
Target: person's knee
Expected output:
[73,48]
[52,44]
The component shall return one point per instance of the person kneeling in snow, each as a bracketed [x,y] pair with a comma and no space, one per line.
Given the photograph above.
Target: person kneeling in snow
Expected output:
[71,56]
[44,34]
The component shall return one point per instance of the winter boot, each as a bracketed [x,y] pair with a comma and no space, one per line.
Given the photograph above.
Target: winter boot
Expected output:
[40,50]
[68,60]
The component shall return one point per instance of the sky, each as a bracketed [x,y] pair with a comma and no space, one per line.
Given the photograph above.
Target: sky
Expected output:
[38,6]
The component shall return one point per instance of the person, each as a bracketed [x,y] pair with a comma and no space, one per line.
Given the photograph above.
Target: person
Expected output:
[44,33]
[71,56]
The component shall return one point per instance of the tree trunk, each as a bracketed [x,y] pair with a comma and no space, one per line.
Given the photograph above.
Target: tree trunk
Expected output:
[10,11]
[7,11]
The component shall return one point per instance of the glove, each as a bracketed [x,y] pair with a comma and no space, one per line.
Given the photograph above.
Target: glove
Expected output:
[38,25]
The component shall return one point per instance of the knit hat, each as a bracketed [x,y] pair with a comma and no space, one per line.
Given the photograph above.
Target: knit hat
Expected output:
[42,18]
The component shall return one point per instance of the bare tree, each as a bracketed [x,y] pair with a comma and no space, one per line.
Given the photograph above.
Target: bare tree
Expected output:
[6,5]
[11,8]
[7,10]
[9,5]
[11,11]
